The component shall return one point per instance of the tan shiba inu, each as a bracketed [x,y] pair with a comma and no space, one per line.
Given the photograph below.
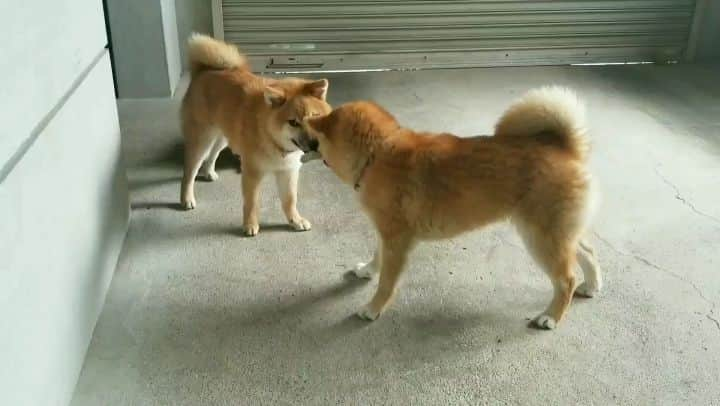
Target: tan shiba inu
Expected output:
[227,105]
[418,186]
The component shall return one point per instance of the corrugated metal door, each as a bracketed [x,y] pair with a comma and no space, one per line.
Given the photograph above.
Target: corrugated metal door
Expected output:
[283,35]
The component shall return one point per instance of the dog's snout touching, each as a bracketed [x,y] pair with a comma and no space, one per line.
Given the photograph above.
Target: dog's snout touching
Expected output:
[313,145]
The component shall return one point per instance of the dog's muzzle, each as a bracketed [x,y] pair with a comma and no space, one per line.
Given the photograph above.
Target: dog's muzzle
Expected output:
[305,143]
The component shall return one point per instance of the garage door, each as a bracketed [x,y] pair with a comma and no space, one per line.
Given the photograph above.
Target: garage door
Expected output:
[290,35]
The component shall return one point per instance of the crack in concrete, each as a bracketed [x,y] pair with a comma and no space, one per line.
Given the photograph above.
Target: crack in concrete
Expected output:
[608,243]
[505,241]
[714,320]
[679,197]
[657,267]
[674,275]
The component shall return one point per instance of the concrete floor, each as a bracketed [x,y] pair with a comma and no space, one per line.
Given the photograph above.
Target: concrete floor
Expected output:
[197,314]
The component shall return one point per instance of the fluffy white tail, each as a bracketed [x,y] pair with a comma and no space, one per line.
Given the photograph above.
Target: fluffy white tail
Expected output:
[208,53]
[553,114]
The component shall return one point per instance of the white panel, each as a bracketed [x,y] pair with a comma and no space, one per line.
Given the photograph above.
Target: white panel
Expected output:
[63,212]
[45,45]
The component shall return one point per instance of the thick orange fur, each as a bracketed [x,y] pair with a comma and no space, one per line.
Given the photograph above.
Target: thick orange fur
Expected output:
[417,186]
[208,53]
[226,104]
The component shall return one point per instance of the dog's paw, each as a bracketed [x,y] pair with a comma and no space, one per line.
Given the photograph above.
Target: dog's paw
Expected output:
[251,230]
[211,176]
[545,322]
[587,290]
[300,224]
[188,204]
[364,270]
[367,313]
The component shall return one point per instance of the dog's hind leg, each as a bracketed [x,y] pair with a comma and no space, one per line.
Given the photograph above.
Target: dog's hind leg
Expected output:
[208,168]
[562,276]
[592,283]
[558,265]
[197,145]
[367,270]
[555,253]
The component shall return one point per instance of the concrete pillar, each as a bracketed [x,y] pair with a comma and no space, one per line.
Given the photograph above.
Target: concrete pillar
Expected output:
[192,16]
[708,47]
[145,46]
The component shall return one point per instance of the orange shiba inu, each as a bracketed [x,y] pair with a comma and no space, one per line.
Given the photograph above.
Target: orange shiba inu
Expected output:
[226,104]
[418,186]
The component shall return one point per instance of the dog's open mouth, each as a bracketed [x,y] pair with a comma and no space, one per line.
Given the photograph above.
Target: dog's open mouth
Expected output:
[294,141]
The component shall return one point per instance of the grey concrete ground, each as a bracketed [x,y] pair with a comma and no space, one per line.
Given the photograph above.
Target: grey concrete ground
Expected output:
[198,314]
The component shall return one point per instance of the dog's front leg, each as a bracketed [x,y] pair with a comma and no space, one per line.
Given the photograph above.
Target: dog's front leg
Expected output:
[251,179]
[287,189]
[393,257]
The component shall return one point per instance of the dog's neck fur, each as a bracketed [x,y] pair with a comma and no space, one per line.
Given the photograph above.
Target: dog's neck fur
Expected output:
[360,167]
[283,152]
[375,144]
[374,137]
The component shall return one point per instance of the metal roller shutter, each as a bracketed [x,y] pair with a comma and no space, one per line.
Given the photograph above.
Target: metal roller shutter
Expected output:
[282,35]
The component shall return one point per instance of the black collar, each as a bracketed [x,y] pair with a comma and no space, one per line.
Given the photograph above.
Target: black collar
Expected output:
[369,161]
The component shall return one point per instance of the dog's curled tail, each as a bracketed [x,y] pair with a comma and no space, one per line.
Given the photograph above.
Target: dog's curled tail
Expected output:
[208,53]
[553,114]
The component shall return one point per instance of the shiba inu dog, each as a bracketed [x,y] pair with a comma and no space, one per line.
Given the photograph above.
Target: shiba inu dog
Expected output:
[257,117]
[418,186]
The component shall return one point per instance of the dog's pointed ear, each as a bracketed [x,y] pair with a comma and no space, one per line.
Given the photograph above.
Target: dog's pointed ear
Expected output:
[318,123]
[273,96]
[318,88]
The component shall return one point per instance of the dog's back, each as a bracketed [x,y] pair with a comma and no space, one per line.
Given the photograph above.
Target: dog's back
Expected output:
[220,76]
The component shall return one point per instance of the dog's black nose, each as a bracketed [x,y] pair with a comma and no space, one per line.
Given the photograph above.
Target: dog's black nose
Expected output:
[313,145]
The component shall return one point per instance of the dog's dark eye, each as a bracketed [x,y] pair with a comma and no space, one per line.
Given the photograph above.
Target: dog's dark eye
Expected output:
[294,123]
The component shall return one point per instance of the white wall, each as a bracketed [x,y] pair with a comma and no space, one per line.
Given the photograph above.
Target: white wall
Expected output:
[45,44]
[63,194]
